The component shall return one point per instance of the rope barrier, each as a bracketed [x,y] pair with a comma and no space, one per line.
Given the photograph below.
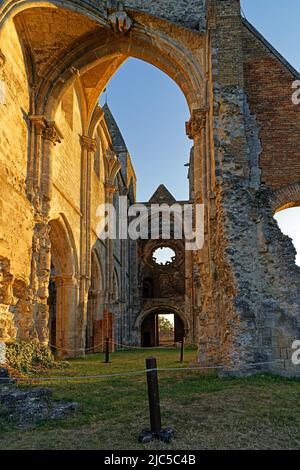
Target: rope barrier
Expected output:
[75,350]
[141,372]
[125,346]
[143,348]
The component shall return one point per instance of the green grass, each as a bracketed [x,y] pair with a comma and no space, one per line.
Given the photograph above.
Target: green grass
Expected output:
[260,412]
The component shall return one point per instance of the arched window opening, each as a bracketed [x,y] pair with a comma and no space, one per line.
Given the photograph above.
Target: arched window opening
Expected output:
[289,223]
[164,256]
[94,307]
[63,289]
[147,130]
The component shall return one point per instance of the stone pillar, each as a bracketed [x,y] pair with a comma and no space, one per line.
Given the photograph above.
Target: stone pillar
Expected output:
[89,147]
[40,275]
[112,167]
[66,326]
[196,129]
[46,135]
[110,190]
[38,124]
[52,136]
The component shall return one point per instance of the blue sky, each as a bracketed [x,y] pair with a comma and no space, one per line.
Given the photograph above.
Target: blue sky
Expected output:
[151,110]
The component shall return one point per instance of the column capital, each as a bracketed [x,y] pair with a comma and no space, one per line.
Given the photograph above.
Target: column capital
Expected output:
[67,279]
[110,188]
[53,133]
[196,123]
[38,121]
[87,143]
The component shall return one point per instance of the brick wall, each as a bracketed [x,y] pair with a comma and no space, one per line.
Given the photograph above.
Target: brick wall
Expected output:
[103,329]
[268,83]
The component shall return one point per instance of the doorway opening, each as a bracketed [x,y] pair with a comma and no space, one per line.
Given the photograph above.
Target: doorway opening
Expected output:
[94,307]
[63,289]
[161,329]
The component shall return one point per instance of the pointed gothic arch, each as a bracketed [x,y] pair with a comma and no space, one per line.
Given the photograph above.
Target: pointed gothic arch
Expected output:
[63,319]
[95,300]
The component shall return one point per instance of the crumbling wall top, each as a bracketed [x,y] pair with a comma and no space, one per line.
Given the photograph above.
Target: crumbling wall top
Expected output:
[190,14]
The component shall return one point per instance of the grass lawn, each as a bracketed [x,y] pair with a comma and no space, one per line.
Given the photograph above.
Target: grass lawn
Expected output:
[261,412]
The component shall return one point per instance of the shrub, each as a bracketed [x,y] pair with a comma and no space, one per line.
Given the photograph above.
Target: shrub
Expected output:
[30,356]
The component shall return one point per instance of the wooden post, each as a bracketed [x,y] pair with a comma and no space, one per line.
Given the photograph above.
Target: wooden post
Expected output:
[107,350]
[153,395]
[156,431]
[182,349]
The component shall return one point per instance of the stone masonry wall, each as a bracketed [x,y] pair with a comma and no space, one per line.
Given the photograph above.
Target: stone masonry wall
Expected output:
[188,13]
[16,215]
[249,301]
[258,283]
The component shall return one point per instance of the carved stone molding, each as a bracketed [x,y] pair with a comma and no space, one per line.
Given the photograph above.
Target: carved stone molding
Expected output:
[196,123]
[53,133]
[117,17]
[87,143]
[39,122]
[112,166]
[109,187]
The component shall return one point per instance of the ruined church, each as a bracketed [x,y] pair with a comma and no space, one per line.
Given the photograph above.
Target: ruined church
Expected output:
[237,297]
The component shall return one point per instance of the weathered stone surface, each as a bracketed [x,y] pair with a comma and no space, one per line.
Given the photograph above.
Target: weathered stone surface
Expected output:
[4,377]
[61,156]
[33,405]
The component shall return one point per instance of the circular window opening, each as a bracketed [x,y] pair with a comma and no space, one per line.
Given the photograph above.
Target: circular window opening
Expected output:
[164,256]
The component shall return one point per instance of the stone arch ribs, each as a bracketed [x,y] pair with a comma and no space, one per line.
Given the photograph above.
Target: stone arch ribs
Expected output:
[285,197]
[156,48]
[11,8]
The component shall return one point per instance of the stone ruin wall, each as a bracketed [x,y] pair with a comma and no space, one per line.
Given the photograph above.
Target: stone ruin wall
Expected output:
[257,299]
[249,284]
[16,213]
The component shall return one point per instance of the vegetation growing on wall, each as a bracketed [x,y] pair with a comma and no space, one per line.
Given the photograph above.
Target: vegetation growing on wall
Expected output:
[30,356]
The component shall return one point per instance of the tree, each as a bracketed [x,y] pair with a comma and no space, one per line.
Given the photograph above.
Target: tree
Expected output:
[165,324]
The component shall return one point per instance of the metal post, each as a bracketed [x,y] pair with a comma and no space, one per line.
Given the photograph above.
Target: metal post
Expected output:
[182,349]
[107,351]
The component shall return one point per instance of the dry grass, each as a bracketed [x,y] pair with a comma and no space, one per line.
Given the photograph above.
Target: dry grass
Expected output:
[206,412]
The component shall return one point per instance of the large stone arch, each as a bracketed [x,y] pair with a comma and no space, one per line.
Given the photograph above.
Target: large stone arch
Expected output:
[64,262]
[156,49]
[151,311]
[285,197]
[149,40]
[153,44]
[10,8]
[147,310]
